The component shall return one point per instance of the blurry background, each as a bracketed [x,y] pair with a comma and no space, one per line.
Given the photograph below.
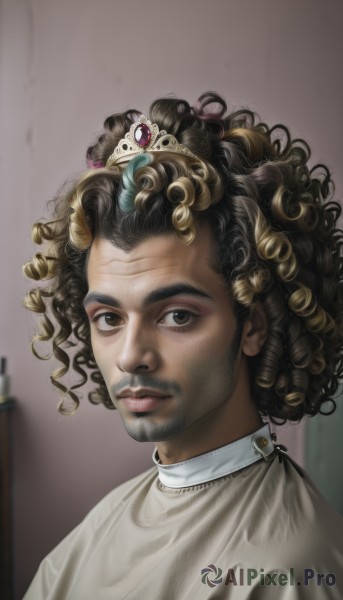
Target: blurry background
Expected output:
[64,67]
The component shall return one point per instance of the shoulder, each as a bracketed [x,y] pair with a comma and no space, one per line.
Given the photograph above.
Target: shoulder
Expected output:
[283,525]
[119,497]
[303,529]
[295,503]
[59,569]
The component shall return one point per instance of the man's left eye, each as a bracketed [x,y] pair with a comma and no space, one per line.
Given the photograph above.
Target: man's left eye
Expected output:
[178,317]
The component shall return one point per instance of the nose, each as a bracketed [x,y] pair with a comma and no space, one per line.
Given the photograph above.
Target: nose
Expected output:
[138,349]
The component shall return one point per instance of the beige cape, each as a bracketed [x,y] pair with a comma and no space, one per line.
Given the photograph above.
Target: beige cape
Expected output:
[218,540]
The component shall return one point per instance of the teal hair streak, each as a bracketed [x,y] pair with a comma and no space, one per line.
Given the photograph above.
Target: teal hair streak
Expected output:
[127,194]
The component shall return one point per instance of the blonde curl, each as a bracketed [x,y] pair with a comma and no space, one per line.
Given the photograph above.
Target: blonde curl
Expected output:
[303,303]
[275,247]
[299,211]
[295,398]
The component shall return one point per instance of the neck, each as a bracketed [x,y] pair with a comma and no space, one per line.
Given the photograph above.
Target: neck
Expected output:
[219,463]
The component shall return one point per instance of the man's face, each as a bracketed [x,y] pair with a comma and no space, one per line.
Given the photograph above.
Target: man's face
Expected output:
[163,335]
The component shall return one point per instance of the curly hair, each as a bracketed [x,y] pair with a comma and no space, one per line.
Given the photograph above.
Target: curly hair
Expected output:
[273,221]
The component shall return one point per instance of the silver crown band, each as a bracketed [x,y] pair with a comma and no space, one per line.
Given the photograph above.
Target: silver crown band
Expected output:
[145,136]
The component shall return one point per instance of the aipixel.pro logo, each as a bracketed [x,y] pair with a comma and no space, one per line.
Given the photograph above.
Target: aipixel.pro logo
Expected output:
[213,576]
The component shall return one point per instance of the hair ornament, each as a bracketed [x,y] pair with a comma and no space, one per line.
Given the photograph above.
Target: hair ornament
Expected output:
[145,136]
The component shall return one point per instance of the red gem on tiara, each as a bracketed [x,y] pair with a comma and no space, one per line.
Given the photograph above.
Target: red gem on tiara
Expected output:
[142,135]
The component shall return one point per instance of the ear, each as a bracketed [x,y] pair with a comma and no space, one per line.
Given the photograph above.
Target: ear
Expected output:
[255,330]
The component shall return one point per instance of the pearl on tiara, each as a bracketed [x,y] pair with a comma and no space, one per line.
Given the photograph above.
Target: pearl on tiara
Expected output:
[145,136]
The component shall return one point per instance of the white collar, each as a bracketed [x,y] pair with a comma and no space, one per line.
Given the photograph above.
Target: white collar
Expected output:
[217,463]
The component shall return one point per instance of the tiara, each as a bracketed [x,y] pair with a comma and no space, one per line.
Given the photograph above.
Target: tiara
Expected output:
[145,136]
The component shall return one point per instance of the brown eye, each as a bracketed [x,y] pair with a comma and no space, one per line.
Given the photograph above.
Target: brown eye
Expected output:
[110,319]
[180,317]
[106,321]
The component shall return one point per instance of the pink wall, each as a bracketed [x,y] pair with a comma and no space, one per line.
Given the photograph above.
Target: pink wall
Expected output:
[65,66]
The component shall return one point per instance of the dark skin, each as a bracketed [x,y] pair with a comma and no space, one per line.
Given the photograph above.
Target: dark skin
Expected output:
[163,334]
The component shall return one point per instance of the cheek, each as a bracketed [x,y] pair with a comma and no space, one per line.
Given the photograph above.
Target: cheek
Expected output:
[207,346]
[206,366]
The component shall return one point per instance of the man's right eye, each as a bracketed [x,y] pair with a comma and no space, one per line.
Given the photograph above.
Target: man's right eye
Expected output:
[106,321]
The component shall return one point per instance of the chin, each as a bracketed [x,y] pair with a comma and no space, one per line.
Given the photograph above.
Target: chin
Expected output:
[147,432]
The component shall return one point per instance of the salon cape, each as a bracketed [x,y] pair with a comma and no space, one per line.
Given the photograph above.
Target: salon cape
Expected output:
[261,532]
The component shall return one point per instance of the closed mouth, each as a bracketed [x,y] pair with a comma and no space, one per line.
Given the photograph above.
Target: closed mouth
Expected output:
[141,393]
[142,401]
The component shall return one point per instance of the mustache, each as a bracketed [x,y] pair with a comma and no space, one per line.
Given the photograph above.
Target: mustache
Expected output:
[169,388]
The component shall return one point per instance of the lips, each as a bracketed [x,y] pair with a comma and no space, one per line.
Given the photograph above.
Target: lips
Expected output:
[141,393]
[142,400]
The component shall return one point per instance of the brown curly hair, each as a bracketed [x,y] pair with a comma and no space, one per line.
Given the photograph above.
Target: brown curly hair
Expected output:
[276,233]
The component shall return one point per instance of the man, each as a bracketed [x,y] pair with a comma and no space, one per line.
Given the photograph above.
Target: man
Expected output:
[197,266]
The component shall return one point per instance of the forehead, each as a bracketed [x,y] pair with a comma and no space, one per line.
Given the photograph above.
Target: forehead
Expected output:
[156,261]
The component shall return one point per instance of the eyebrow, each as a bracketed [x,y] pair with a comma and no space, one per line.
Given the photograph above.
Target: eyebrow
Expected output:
[154,296]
